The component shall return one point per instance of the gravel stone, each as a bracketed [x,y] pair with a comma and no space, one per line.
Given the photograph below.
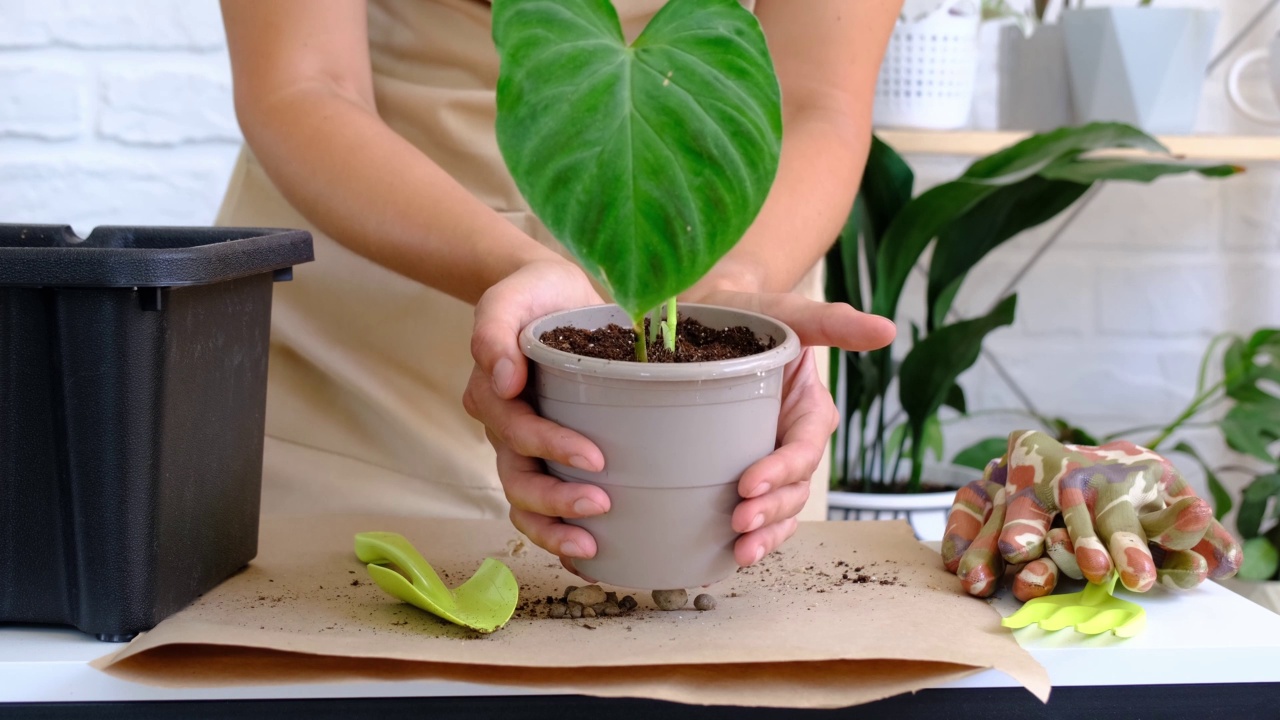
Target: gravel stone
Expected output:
[670,599]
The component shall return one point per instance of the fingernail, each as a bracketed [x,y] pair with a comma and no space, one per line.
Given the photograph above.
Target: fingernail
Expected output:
[756,522]
[761,489]
[582,463]
[759,554]
[502,373]
[571,549]
[586,506]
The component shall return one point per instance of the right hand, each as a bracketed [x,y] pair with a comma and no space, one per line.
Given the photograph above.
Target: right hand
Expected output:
[520,437]
[1124,509]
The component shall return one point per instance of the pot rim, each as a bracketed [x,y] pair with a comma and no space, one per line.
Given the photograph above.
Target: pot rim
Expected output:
[781,354]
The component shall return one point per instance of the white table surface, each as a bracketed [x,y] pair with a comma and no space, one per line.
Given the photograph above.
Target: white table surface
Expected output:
[1208,635]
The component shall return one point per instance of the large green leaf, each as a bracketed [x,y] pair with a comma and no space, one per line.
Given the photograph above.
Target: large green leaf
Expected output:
[844,274]
[1087,171]
[979,454]
[1030,156]
[932,366]
[1251,428]
[1000,216]
[1221,498]
[649,161]
[1254,504]
[1246,362]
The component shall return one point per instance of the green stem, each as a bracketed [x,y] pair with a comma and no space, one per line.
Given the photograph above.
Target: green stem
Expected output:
[669,334]
[642,350]
[1187,414]
[1148,428]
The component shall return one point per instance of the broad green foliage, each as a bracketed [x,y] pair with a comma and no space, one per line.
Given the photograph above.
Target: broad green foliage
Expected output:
[647,161]
[964,220]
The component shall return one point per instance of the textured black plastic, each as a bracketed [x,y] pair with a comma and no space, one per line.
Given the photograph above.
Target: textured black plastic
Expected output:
[131,418]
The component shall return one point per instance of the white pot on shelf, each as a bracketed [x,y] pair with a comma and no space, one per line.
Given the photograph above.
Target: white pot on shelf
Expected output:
[926,512]
[927,76]
[1035,87]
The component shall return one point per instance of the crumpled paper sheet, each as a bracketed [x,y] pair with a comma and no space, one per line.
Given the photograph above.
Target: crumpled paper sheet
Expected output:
[844,613]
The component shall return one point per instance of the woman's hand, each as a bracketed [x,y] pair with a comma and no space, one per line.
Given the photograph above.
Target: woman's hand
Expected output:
[521,438]
[775,489]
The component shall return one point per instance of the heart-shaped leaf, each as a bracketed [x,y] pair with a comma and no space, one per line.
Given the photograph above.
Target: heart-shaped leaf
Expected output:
[647,161]
[979,454]
[1261,560]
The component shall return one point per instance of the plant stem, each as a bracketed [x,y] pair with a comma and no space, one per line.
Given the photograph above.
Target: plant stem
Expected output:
[642,350]
[669,333]
[1148,428]
[1196,406]
[648,329]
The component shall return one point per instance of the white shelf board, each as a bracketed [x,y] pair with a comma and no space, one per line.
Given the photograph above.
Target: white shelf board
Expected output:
[976,143]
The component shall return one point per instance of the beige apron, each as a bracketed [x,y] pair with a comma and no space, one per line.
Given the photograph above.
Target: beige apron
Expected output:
[367,367]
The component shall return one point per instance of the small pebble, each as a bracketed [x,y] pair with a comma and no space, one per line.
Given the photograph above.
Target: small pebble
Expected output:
[568,590]
[588,612]
[611,597]
[705,602]
[589,595]
[575,610]
[598,607]
[627,603]
[610,610]
[670,599]
[558,611]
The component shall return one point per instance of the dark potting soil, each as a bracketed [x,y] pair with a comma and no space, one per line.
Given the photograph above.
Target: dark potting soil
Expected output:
[898,488]
[695,342]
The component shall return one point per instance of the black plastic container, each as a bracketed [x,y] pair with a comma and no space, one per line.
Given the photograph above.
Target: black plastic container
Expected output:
[133,371]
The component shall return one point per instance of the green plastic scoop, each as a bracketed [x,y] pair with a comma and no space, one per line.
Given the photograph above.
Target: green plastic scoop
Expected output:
[484,603]
[1091,611]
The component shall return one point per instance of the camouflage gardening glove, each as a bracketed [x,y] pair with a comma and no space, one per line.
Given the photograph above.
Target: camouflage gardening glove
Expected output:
[1122,508]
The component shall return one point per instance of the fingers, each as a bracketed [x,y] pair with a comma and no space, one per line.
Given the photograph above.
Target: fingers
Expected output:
[968,514]
[1181,569]
[1059,549]
[1037,579]
[515,424]
[777,486]
[982,566]
[1029,516]
[753,546]
[1179,526]
[1117,523]
[539,501]
[817,323]
[504,310]
[1220,551]
[1091,555]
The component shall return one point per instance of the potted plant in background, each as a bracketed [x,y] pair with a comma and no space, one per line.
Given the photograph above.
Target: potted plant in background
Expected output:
[648,162]
[927,74]
[1141,65]
[1034,89]
[890,402]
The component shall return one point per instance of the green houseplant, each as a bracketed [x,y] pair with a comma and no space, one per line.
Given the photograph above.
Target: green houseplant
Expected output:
[648,161]
[890,400]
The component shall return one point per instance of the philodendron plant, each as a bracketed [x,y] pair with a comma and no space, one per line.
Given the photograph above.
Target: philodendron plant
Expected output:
[648,160]
[996,198]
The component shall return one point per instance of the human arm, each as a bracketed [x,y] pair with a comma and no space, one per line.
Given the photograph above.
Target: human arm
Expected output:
[304,99]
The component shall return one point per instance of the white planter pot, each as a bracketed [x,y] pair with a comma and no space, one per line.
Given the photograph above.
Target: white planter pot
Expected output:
[926,512]
[1035,89]
[927,75]
[1144,66]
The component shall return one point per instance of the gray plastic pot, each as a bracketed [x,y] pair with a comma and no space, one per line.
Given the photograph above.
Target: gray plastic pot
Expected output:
[675,438]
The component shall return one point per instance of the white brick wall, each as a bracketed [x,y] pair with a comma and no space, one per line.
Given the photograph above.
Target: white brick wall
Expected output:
[120,112]
[113,112]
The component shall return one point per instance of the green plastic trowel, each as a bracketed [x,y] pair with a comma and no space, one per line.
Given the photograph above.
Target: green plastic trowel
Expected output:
[1091,611]
[484,603]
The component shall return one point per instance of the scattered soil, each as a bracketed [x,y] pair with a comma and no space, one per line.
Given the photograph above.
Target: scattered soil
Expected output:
[695,342]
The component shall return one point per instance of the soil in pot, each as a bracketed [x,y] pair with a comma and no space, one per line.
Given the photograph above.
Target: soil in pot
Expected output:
[898,488]
[695,342]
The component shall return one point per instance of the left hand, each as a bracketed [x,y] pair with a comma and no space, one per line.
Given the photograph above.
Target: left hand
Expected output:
[775,489]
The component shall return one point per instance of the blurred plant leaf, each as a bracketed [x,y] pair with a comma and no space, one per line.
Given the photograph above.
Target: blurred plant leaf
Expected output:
[1066,432]
[1087,171]
[1221,498]
[955,399]
[1255,505]
[977,455]
[933,365]
[1261,560]
[1250,428]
